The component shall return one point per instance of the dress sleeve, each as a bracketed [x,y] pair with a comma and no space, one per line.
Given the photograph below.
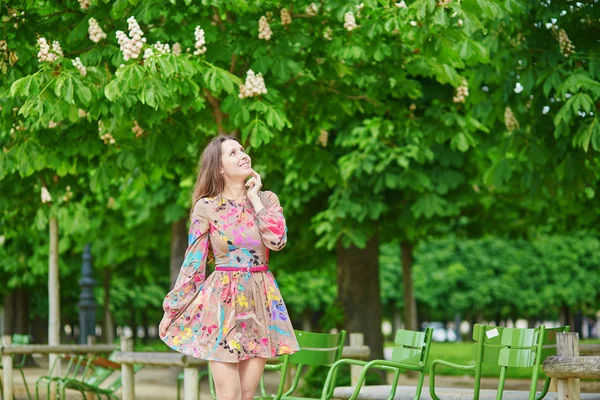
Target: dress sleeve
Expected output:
[193,270]
[271,222]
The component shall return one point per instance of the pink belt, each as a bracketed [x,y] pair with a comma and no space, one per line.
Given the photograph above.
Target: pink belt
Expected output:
[260,268]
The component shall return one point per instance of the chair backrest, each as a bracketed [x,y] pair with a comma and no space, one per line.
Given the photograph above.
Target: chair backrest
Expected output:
[549,348]
[521,347]
[412,347]
[487,343]
[18,338]
[318,348]
[510,347]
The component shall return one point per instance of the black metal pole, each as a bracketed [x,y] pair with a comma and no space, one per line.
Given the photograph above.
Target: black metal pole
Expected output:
[87,303]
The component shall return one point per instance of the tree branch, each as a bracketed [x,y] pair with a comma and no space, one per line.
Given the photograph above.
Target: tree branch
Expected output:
[361,97]
[218,114]
[217,19]
[233,60]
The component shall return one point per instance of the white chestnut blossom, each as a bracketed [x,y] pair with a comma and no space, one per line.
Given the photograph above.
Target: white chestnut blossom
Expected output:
[328,33]
[286,18]
[68,195]
[137,129]
[52,124]
[176,49]
[200,41]
[82,113]
[401,4]
[45,54]
[84,4]
[131,46]
[350,21]
[96,33]
[106,137]
[254,85]
[312,9]
[264,29]
[461,92]
[359,8]
[79,65]
[46,197]
[148,52]
[509,120]
[566,46]
[57,49]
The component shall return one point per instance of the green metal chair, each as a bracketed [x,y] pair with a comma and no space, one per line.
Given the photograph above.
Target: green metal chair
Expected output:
[73,364]
[411,353]
[550,350]
[18,365]
[100,376]
[503,347]
[316,349]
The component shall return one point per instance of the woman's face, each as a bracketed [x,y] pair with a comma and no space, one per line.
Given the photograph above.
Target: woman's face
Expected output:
[235,163]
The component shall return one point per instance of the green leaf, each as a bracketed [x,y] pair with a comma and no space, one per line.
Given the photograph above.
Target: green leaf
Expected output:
[428,205]
[527,80]
[563,115]
[22,87]
[552,82]
[166,67]
[392,24]
[498,173]
[460,141]
[281,69]
[274,119]
[439,18]
[84,93]
[112,90]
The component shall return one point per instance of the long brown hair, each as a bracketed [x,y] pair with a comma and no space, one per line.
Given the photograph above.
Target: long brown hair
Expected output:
[210,182]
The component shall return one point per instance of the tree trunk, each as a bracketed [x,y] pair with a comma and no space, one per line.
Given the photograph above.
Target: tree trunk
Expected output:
[108,331]
[145,325]
[22,311]
[9,313]
[179,237]
[564,315]
[359,292]
[577,323]
[410,305]
[133,323]
[39,330]
[307,320]
[396,321]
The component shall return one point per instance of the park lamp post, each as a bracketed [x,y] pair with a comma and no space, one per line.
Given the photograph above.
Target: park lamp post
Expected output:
[87,303]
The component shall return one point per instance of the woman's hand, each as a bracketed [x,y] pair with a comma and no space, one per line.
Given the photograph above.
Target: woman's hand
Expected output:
[253,185]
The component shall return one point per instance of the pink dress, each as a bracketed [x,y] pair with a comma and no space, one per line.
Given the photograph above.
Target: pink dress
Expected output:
[231,315]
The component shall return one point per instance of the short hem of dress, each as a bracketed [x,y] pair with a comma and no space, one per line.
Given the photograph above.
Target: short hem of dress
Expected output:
[230,362]
[249,358]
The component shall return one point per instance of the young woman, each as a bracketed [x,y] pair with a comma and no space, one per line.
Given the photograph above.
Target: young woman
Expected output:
[236,317]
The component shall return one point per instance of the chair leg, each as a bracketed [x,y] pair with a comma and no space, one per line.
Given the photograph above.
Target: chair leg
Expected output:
[501,383]
[420,384]
[394,384]
[544,390]
[432,382]
[25,383]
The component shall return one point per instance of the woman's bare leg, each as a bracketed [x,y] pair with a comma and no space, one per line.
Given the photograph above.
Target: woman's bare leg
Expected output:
[250,373]
[227,380]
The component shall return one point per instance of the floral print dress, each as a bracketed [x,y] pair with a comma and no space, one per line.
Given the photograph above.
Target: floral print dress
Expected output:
[236,314]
